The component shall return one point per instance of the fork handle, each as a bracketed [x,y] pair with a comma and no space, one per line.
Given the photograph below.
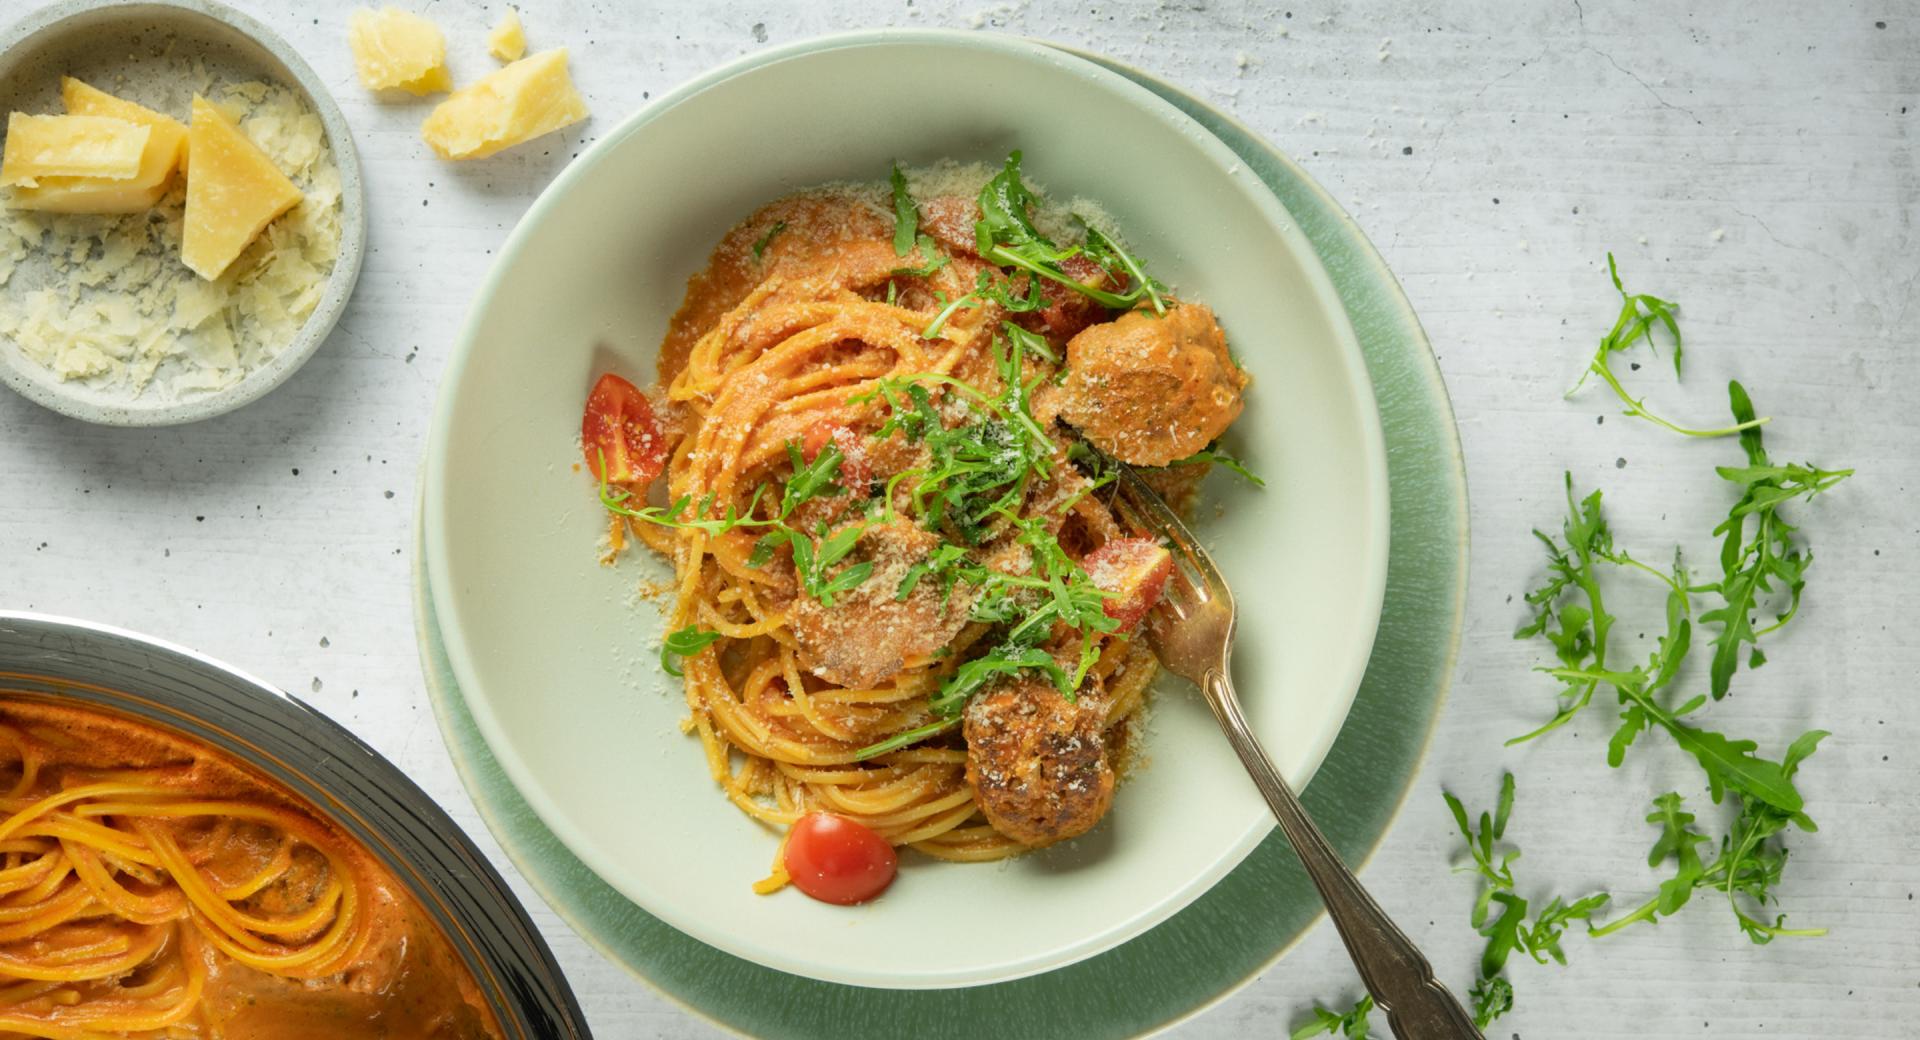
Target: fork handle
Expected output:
[1394,971]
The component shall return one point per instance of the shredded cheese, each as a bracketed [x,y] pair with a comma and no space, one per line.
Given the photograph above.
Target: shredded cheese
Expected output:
[106,300]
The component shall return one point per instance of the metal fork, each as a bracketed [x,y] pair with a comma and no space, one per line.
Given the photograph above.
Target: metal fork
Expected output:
[1192,633]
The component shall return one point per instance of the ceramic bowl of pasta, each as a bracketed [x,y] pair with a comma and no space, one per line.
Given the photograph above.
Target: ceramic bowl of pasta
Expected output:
[766,508]
[191,853]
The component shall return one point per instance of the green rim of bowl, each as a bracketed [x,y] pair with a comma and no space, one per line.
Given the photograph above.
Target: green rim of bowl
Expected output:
[1249,919]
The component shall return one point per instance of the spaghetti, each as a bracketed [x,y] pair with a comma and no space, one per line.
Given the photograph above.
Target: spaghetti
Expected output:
[148,889]
[874,520]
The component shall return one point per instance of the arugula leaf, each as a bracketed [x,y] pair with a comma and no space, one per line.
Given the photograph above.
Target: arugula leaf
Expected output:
[906,737]
[1639,315]
[1005,235]
[681,513]
[1750,862]
[1351,1023]
[1007,659]
[948,308]
[766,240]
[764,546]
[1492,997]
[998,290]
[926,248]
[1512,930]
[1028,342]
[685,642]
[943,564]
[1109,254]
[813,557]
[810,480]
[1751,566]
[1543,937]
[906,215]
[1213,453]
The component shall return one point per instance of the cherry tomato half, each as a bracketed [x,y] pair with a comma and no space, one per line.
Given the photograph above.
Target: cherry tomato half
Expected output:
[1135,570]
[619,426]
[835,860]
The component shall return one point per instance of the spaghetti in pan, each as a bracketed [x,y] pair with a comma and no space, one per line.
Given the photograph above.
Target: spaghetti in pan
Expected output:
[153,888]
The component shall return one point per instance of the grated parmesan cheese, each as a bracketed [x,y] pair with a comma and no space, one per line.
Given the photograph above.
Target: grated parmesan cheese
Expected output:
[106,300]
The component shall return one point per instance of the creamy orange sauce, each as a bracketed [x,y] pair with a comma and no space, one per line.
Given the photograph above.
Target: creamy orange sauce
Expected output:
[399,978]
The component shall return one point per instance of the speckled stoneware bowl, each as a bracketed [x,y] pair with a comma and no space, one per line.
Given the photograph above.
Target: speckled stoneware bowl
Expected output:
[96,41]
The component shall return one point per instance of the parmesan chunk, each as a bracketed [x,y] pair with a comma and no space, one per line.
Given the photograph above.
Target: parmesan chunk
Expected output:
[531,97]
[166,148]
[70,146]
[508,40]
[396,49]
[233,192]
[169,133]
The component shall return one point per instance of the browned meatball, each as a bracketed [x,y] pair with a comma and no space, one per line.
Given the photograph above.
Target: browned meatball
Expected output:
[868,637]
[1151,389]
[1038,763]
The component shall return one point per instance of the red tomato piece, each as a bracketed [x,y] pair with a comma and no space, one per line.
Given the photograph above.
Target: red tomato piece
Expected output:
[856,470]
[1135,570]
[620,427]
[836,860]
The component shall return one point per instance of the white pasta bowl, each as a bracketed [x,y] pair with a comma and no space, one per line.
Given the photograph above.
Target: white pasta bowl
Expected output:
[557,657]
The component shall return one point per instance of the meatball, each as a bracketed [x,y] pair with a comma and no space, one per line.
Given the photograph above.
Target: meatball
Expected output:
[1037,762]
[1152,389]
[867,636]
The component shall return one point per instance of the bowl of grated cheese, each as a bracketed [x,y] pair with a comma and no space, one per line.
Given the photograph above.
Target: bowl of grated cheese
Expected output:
[100,318]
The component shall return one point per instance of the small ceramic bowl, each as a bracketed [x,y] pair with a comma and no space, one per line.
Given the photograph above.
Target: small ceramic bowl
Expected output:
[108,42]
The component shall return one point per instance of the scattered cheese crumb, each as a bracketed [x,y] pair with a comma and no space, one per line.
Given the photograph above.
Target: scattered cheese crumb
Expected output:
[508,40]
[395,49]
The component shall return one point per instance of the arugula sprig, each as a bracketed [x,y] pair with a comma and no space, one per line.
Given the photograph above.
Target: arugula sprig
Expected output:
[978,470]
[1351,1023]
[682,513]
[684,643]
[812,557]
[1640,314]
[1513,930]
[906,215]
[1751,859]
[1006,236]
[1057,591]
[932,259]
[1215,454]
[1538,936]
[1751,565]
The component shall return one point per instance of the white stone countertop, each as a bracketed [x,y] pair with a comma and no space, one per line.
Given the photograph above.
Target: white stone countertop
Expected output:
[1755,161]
